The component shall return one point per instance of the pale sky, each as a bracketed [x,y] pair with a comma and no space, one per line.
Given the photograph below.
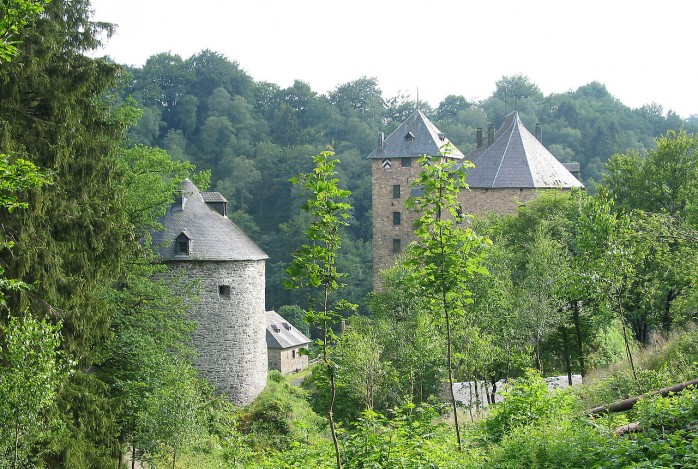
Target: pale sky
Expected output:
[643,51]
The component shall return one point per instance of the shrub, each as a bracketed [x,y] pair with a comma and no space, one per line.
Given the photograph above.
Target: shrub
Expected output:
[526,402]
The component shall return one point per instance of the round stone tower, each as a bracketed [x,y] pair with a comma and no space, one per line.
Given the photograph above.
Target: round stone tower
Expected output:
[204,248]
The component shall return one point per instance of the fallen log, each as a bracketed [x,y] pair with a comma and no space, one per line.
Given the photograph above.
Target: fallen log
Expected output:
[627,404]
[633,427]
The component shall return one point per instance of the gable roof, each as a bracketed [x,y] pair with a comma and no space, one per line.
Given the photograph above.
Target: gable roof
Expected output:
[517,159]
[281,334]
[415,137]
[214,237]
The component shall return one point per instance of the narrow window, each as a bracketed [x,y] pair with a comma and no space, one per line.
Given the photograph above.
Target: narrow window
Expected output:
[182,244]
[224,291]
[397,248]
[396,191]
[293,353]
[406,162]
[396,218]
[183,247]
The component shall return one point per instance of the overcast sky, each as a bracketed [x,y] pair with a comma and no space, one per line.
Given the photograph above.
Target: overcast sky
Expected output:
[643,51]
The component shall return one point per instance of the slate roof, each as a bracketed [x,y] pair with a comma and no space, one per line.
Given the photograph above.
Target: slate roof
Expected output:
[425,139]
[517,159]
[214,237]
[281,334]
[209,197]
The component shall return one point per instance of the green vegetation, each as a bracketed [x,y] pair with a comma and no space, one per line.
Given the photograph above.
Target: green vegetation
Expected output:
[95,353]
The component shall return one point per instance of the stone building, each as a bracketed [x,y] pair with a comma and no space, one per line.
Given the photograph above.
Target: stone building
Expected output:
[394,169]
[202,245]
[284,343]
[510,168]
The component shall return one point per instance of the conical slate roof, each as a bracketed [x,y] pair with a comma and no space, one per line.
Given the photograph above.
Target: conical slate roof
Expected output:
[415,137]
[517,159]
[211,234]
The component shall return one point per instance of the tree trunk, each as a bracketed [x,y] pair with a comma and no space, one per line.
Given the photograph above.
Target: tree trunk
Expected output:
[14,461]
[566,351]
[627,404]
[578,332]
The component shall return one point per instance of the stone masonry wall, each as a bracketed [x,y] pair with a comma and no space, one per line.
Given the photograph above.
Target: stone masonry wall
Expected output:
[478,201]
[283,360]
[384,231]
[475,201]
[230,334]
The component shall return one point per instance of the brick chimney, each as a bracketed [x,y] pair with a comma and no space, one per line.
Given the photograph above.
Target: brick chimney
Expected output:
[479,137]
[539,132]
[490,134]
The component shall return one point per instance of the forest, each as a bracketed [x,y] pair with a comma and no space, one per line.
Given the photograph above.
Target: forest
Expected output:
[95,356]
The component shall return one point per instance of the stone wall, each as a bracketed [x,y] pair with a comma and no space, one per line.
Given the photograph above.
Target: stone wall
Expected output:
[230,334]
[478,201]
[384,204]
[287,360]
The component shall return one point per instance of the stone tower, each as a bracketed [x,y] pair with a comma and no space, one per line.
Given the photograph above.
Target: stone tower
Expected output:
[510,168]
[201,244]
[394,169]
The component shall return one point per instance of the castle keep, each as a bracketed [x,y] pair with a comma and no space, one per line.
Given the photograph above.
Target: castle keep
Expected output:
[510,169]
[202,245]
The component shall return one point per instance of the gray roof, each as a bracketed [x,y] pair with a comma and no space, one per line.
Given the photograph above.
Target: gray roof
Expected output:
[425,139]
[209,197]
[281,334]
[517,159]
[214,237]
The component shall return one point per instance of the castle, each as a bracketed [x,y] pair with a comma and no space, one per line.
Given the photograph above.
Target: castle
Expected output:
[510,169]
[236,340]
[201,245]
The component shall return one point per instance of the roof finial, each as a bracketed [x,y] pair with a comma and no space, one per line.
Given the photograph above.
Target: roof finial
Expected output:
[506,103]
[418,98]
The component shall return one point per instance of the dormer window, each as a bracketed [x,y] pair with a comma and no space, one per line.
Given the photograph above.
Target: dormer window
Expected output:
[409,137]
[183,245]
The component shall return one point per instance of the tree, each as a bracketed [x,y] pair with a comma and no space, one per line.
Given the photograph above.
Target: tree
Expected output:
[409,337]
[31,371]
[540,295]
[314,265]
[14,15]
[445,254]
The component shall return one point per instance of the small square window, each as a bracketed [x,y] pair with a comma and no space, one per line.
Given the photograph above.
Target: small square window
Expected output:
[224,291]
[396,191]
[397,247]
[406,162]
[396,218]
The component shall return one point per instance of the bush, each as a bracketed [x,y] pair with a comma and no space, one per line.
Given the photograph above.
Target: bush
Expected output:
[526,402]
[281,416]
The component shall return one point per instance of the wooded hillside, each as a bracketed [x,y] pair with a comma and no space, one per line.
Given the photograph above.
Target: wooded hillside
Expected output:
[253,136]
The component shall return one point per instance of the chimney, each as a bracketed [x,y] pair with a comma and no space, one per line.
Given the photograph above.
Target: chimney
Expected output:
[180,201]
[490,134]
[381,140]
[539,132]
[478,137]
